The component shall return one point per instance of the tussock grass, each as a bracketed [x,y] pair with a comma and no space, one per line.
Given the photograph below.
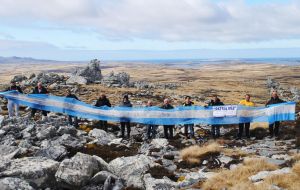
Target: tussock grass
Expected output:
[238,178]
[194,154]
[296,169]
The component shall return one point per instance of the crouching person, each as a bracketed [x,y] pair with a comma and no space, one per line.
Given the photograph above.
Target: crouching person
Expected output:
[72,119]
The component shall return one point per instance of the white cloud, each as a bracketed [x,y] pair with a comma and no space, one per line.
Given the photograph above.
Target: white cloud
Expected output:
[170,20]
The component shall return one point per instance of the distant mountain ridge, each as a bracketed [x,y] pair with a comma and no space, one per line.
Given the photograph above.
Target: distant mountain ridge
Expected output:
[16,59]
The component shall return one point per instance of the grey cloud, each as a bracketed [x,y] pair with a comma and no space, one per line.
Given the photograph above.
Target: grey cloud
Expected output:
[169,20]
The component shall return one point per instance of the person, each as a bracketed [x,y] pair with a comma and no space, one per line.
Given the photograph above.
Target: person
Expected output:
[70,118]
[215,129]
[125,103]
[189,127]
[103,101]
[12,106]
[151,129]
[245,102]
[274,100]
[168,129]
[39,89]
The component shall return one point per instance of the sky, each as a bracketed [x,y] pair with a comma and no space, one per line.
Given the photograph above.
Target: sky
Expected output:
[131,29]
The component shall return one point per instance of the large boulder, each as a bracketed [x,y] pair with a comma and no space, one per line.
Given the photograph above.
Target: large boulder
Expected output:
[101,136]
[12,183]
[52,152]
[132,169]
[77,171]
[39,171]
[91,73]
[121,79]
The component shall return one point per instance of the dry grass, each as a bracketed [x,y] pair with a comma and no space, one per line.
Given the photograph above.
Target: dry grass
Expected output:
[237,178]
[296,157]
[296,168]
[194,154]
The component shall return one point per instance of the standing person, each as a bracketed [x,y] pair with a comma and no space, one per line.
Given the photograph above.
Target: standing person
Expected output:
[245,102]
[168,129]
[70,118]
[151,129]
[125,103]
[215,129]
[274,100]
[12,106]
[39,89]
[190,127]
[103,101]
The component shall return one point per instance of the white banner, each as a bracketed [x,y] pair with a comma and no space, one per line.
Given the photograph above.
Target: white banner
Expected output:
[223,111]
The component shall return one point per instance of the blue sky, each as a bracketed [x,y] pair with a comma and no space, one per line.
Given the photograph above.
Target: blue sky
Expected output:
[50,29]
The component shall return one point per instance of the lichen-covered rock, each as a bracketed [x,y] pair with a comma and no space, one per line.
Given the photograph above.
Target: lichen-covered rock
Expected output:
[52,152]
[131,169]
[37,170]
[154,184]
[77,171]
[19,78]
[8,152]
[12,183]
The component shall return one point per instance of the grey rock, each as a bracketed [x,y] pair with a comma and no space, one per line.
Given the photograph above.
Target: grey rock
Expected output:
[12,183]
[131,168]
[155,184]
[39,171]
[19,78]
[91,73]
[69,141]
[101,176]
[67,130]
[263,174]
[75,79]
[46,132]
[52,152]
[116,80]
[101,136]
[77,171]
[8,152]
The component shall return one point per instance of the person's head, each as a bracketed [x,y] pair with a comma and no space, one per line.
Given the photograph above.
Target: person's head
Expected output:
[166,101]
[125,98]
[149,103]
[187,99]
[13,83]
[102,96]
[69,91]
[247,97]
[216,98]
[274,94]
[39,85]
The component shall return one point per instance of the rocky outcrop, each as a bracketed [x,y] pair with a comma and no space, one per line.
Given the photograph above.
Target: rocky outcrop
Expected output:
[91,73]
[116,80]
[45,78]
[18,78]
[75,79]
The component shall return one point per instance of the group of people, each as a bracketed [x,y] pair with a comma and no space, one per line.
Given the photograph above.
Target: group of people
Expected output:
[13,109]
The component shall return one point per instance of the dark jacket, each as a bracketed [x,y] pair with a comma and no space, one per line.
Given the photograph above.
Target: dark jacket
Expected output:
[36,91]
[189,104]
[15,87]
[167,107]
[126,104]
[103,102]
[274,101]
[72,96]
[217,103]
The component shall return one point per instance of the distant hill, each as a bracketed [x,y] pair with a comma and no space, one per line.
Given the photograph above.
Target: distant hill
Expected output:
[15,59]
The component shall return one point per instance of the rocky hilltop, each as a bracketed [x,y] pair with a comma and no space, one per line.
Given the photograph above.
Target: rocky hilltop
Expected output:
[50,154]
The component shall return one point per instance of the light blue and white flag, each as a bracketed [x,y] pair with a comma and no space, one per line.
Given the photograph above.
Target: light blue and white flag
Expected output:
[230,114]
